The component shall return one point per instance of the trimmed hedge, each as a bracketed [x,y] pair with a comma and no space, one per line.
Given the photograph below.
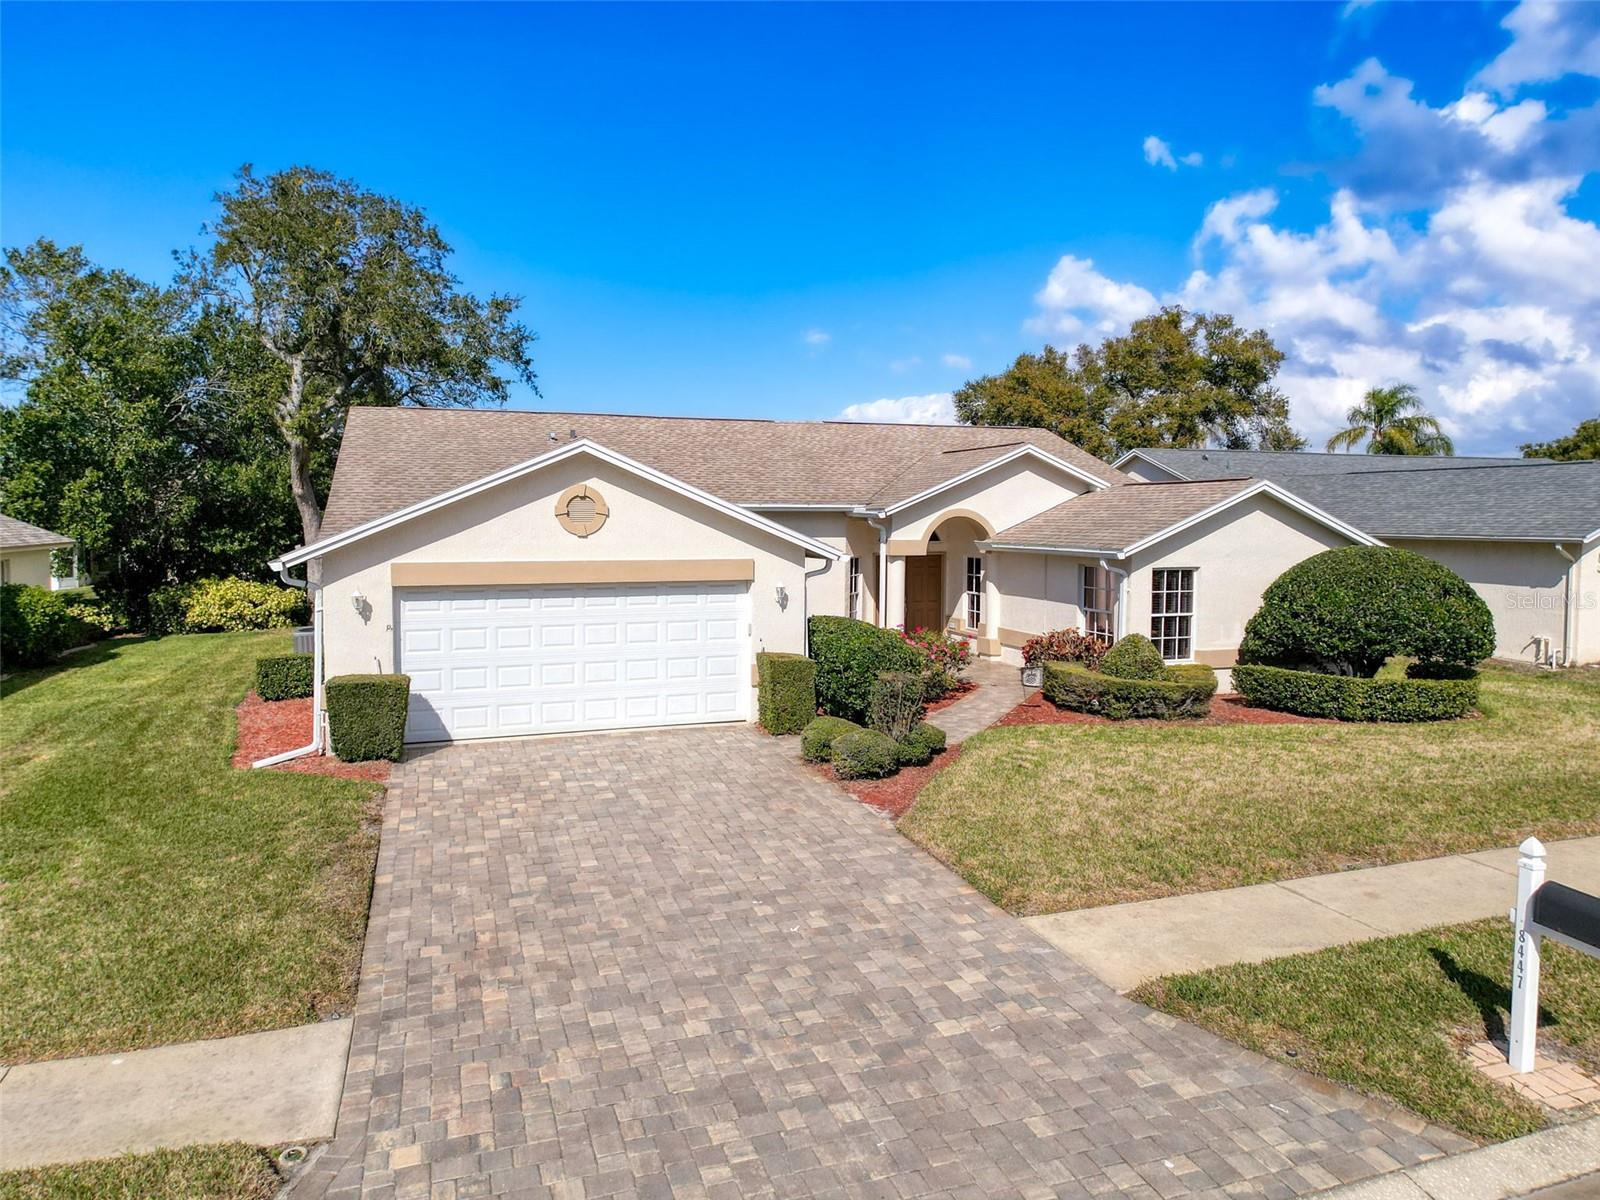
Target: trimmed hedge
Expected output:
[1182,691]
[367,715]
[1347,611]
[786,694]
[897,706]
[849,655]
[921,744]
[865,754]
[36,625]
[816,741]
[1134,657]
[1351,698]
[284,676]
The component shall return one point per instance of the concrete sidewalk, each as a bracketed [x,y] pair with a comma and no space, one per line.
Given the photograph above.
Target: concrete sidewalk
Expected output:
[1125,944]
[260,1088]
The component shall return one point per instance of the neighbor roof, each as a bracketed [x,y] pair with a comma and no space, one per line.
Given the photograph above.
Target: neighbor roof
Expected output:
[1547,501]
[1122,521]
[19,535]
[1281,464]
[394,457]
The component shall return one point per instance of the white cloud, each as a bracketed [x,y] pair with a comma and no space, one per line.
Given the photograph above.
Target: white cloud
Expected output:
[816,338]
[1548,40]
[935,408]
[1158,153]
[1470,278]
[959,362]
[901,365]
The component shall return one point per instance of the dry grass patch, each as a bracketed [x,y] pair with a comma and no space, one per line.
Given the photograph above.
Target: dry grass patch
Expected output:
[1046,818]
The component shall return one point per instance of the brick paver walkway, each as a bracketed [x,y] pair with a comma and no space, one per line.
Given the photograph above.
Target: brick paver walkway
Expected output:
[999,691]
[679,963]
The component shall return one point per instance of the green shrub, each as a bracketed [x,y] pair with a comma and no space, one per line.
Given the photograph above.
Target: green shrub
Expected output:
[1182,691]
[1351,698]
[897,705]
[921,744]
[1344,612]
[865,754]
[944,658]
[786,693]
[816,742]
[849,655]
[284,676]
[167,607]
[36,625]
[230,605]
[367,715]
[1134,657]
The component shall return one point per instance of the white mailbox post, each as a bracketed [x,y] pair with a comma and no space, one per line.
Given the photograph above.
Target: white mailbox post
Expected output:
[1543,910]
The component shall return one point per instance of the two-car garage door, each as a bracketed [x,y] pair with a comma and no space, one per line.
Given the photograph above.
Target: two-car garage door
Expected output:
[502,661]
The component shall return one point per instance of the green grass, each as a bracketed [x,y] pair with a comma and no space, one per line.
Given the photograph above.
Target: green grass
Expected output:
[1044,818]
[226,1172]
[1389,1016]
[153,893]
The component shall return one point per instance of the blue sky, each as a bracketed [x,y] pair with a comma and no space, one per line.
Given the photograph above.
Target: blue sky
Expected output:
[798,211]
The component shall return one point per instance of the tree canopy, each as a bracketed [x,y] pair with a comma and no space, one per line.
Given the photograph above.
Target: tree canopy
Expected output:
[1175,379]
[1582,443]
[1391,420]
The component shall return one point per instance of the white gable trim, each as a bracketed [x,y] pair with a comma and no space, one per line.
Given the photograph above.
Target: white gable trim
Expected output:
[1277,493]
[582,446]
[1026,450]
[1156,463]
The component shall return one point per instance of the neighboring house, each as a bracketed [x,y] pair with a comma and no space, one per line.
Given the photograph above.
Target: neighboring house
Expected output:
[539,572]
[1524,532]
[25,552]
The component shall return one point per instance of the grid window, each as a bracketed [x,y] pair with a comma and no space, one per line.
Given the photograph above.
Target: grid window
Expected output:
[975,592]
[1099,602]
[855,588]
[1172,612]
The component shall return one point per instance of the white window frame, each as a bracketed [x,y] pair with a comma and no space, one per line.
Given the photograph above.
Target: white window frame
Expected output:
[1095,582]
[853,589]
[974,597]
[1160,586]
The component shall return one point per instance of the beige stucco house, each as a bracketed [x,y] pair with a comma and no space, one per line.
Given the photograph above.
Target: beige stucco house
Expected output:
[25,552]
[540,573]
[1525,533]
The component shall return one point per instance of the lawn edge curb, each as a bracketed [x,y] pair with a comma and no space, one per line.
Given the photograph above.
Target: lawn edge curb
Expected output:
[1498,1172]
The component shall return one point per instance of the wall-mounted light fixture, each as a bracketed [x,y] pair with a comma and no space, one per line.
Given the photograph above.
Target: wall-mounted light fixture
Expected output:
[783,596]
[358,601]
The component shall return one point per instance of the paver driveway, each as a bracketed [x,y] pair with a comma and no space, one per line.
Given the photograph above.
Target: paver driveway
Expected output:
[680,963]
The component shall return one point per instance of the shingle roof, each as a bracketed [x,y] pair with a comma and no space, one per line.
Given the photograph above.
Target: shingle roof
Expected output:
[1279,464]
[392,457]
[19,535]
[1536,501]
[1112,520]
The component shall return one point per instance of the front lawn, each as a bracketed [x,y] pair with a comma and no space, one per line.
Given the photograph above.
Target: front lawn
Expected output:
[1048,817]
[153,893]
[224,1172]
[1388,1016]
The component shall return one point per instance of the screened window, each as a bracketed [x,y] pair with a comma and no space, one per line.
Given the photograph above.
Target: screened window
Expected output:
[855,588]
[1172,612]
[975,592]
[1098,603]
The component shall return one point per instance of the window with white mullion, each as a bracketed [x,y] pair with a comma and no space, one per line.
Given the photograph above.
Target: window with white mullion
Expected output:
[1172,612]
[975,592]
[855,588]
[1098,602]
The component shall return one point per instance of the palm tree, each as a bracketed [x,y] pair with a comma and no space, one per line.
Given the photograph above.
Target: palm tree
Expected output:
[1391,420]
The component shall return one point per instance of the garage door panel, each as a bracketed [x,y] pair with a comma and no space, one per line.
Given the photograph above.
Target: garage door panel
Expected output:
[496,662]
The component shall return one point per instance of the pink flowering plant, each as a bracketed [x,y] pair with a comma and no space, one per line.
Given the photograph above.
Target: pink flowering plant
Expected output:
[944,658]
[1065,645]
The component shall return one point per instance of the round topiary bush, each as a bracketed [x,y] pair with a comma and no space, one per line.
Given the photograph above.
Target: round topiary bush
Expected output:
[865,754]
[921,744]
[1344,612]
[1134,657]
[816,739]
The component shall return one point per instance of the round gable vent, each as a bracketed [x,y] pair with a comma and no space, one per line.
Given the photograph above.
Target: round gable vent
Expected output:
[581,510]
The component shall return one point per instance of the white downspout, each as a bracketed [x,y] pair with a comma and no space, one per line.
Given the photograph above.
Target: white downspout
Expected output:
[1569,618]
[883,566]
[314,593]
[805,603]
[1121,623]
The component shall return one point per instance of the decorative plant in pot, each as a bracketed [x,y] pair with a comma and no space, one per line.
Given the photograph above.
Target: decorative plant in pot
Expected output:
[1060,645]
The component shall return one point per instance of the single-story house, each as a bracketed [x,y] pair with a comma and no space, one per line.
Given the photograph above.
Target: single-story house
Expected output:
[1524,532]
[25,552]
[552,572]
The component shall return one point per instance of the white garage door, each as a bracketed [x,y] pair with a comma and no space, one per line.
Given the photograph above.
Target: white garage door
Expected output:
[495,662]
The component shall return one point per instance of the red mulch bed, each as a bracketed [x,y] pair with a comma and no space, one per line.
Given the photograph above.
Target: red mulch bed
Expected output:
[960,692]
[1225,710]
[898,792]
[268,727]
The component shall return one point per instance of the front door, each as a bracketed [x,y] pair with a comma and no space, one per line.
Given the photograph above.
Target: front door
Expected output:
[925,591]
